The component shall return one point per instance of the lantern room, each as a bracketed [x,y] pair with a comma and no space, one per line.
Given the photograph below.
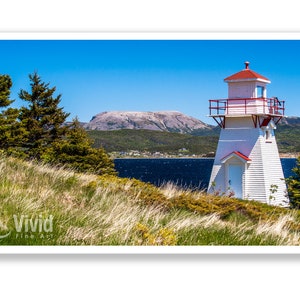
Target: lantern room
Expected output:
[247,84]
[247,96]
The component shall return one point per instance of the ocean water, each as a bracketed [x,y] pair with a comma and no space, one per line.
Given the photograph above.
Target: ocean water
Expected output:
[184,172]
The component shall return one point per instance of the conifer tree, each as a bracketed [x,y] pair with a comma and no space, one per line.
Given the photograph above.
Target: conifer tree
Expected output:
[293,184]
[5,86]
[42,118]
[50,139]
[12,132]
[76,152]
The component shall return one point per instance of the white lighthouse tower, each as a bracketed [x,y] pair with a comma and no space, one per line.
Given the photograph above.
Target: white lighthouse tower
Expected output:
[247,162]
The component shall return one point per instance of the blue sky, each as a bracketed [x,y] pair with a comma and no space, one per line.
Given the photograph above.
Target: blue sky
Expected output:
[149,75]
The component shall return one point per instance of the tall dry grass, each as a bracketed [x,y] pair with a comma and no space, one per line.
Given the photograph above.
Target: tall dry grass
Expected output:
[92,210]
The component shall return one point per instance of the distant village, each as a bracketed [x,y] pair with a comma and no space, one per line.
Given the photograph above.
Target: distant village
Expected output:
[182,153]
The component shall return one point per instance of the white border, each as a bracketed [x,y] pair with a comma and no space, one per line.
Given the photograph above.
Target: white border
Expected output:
[150,35]
[149,250]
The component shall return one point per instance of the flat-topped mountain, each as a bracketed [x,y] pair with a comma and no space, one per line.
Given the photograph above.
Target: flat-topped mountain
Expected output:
[169,121]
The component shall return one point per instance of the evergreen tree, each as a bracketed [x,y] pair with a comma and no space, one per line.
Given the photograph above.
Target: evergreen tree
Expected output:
[49,139]
[293,184]
[43,118]
[5,86]
[76,152]
[12,132]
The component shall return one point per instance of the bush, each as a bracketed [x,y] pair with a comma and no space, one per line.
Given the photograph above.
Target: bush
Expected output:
[293,185]
[75,151]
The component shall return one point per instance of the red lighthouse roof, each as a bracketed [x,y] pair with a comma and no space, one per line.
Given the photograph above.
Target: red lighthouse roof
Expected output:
[235,154]
[246,75]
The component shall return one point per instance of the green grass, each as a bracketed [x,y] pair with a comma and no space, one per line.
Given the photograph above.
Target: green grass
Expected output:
[107,210]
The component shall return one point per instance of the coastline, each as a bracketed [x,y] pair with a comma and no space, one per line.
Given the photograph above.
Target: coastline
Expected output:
[281,155]
[289,155]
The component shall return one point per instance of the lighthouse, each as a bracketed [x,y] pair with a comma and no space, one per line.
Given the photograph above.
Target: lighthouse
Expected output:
[247,163]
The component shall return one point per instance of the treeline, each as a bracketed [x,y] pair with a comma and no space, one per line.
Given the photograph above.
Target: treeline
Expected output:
[37,130]
[152,141]
[287,137]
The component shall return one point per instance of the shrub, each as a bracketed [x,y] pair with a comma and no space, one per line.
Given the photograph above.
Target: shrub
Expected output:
[293,185]
[76,152]
[162,237]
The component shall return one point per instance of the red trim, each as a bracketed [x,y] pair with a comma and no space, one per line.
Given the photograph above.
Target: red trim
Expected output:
[220,121]
[269,106]
[244,157]
[255,120]
[265,122]
[246,74]
[241,155]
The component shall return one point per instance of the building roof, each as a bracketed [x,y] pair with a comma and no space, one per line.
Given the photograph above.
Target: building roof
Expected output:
[246,75]
[235,154]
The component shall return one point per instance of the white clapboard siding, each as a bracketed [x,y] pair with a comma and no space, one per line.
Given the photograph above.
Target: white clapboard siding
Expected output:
[260,173]
[273,172]
[242,89]
[247,106]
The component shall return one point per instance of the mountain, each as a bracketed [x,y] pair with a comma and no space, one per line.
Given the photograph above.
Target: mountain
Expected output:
[164,134]
[169,121]
[291,121]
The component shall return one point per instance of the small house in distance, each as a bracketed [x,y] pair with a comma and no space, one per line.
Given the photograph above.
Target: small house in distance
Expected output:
[247,162]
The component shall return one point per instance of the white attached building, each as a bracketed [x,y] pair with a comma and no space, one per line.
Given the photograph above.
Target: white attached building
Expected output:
[247,162]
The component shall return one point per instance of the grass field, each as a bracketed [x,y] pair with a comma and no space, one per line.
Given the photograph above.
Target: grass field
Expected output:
[42,205]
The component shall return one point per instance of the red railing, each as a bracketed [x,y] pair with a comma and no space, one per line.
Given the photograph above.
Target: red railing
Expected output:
[246,106]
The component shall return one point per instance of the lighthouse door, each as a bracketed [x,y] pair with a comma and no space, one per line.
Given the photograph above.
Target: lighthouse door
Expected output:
[235,180]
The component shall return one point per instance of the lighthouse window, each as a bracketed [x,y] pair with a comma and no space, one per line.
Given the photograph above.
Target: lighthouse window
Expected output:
[260,91]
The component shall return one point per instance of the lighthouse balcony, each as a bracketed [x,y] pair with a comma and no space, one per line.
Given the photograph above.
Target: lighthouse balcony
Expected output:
[246,106]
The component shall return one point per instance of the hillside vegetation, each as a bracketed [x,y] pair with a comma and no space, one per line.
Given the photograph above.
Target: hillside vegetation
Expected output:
[288,138]
[152,141]
[107,210]
[200,142]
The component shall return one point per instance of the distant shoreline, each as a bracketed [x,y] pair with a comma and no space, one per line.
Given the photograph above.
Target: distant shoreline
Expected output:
[283,155]
[129,157]
[289,155]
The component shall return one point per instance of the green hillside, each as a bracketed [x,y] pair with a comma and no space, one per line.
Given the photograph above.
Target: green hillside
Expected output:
[152,141]
[201,142]
[288,138]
